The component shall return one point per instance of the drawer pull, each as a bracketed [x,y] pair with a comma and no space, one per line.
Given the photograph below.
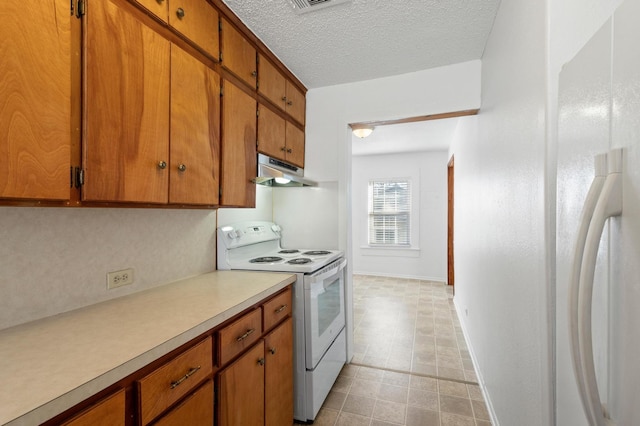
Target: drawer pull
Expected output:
[185,377]
[281,308]
[245,335]
[261,361]
[272,350]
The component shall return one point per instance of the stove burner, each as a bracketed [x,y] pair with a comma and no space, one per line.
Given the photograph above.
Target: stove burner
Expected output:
[289,251]
[316,252]
[266,259]
[300,261]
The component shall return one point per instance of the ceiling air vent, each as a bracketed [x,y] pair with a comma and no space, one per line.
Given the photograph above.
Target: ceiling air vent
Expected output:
[304,6]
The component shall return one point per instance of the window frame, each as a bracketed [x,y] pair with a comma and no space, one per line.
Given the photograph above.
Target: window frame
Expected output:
[404,212]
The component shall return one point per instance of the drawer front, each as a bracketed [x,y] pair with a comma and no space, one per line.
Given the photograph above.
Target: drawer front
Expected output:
[239,335]
[108,412]
[174,380]
[276,309]
[198,21]
[196,409]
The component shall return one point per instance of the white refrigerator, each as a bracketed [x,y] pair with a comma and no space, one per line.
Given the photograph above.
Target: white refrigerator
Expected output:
[599,113]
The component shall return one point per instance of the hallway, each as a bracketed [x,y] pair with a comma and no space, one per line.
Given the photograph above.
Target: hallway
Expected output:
[411,365]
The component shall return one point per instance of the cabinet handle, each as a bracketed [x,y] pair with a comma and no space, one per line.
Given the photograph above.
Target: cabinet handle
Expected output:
[281,308]
[290,103]
[272,350]
[245,335]
[289,151]
[284,98]
[180,13]
[190,373]
[254,73]
[283,149]
[162,165]
[182,167]
[261,361]
[160,1]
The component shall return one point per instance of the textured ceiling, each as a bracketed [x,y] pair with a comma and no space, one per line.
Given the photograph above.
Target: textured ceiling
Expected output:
[367,39]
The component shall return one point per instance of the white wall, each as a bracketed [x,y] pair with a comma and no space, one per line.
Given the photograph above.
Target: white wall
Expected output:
[427,258]
[262,211]
[56,259]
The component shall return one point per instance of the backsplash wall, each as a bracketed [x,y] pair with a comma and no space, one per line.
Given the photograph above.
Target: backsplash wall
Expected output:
[53,260]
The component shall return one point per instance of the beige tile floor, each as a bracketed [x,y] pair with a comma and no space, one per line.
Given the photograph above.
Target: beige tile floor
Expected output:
[411,365]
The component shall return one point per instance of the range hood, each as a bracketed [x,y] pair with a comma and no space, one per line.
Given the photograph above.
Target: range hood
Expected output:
[277,173]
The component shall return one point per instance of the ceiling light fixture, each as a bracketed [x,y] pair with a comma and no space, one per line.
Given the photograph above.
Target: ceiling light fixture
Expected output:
[361,130]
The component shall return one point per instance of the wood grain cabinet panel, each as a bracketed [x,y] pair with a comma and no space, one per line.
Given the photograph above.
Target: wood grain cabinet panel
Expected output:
[296,103]
[197,21]
[242,390]
[108,412]
[276,309]
[279,138]
[177,378]
[196,409]
[159,8]
[238,54]
[195,131]
[240,335]
[278,375]
[126,113]
[271,83]
[35,99]
[239,161]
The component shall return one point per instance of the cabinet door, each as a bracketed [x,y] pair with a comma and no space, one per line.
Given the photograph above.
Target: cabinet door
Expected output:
[159,8]
[196,409]
[271,83]
[295,145]
[198,21]
[35,105]
[239,158]
[242,390]
[279,375]
[126,108]
[195,131]
[108,412]
[271,133]
[238,55]
[296,105]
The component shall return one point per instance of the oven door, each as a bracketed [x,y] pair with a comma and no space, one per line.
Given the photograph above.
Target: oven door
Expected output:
[324,310]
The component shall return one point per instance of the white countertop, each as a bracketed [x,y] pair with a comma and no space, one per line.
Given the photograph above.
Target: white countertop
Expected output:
[49,365]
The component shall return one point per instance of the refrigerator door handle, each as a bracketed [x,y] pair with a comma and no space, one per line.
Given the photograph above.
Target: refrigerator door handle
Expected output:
[609,204]
[587,213]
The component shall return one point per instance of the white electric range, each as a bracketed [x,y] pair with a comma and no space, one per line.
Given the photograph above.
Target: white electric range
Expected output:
[318,298]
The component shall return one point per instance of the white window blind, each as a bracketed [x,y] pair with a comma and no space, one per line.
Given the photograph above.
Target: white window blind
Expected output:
[390,212]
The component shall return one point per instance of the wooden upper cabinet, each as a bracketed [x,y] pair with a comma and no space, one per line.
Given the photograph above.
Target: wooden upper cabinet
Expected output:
[279,138]
[126,108]
[295,145]
[239,157]
[197,20]
[195,131]
[271,83]
[238,54]
[296,103]
[35,105]
[159,8]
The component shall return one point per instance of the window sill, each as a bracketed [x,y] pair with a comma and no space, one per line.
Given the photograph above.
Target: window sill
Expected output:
[390,251]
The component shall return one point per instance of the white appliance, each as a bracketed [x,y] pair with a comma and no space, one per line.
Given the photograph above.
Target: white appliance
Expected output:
[319,304]
[598,228]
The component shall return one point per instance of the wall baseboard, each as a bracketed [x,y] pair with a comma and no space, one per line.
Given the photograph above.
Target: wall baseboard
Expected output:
[483,389]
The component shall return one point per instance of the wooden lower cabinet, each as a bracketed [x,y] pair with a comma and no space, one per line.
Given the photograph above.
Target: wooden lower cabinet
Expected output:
[196,409]
[108,412]
[278,375]
[257,389]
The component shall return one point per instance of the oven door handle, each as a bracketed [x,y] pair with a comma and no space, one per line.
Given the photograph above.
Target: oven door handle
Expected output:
[328,273]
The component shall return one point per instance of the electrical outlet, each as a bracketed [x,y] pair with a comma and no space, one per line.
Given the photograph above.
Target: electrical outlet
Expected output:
[119,278]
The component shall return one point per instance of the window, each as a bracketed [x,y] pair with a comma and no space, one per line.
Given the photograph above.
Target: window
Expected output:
[390,212]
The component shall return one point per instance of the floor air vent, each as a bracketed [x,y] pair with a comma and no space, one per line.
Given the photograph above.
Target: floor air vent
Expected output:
[304,6]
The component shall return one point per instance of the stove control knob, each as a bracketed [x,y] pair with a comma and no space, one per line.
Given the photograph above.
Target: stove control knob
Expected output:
[275,228]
